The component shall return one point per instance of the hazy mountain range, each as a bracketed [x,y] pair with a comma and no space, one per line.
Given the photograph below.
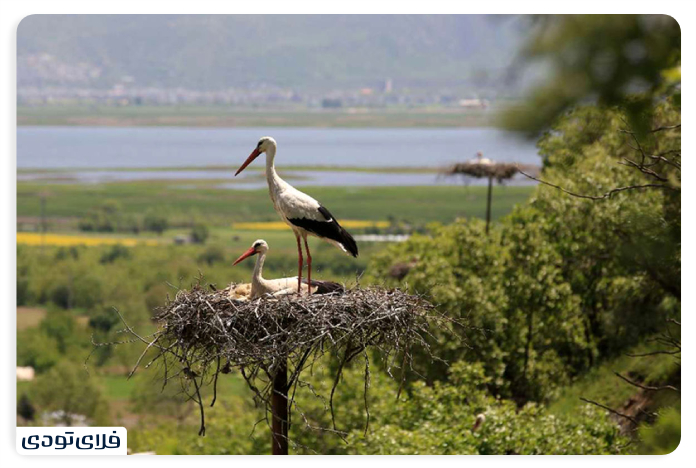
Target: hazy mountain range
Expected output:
[301,52]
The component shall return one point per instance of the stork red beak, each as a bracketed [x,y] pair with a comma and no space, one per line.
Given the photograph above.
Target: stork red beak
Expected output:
[254,154]
[246,254]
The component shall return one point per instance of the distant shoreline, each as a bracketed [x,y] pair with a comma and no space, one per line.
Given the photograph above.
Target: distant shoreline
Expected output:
[221,116]
[386,169]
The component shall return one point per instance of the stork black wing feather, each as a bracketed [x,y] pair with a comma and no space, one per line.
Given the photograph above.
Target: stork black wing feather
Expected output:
[329,229]
[326,287]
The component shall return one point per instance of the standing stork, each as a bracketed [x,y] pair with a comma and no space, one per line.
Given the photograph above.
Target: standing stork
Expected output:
[304,215]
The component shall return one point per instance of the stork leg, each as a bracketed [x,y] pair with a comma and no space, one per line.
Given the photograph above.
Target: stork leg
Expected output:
[299,273]
[309,266]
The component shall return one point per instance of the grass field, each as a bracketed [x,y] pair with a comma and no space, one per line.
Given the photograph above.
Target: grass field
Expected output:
[226,116]
[220,207]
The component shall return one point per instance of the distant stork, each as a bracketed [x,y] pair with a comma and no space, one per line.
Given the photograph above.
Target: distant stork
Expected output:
[302,213]
[282,286]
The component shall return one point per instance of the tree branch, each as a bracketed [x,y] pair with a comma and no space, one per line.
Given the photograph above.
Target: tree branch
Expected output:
[613,411]
[665,127]
[645,387]
[597,197]
[653,353]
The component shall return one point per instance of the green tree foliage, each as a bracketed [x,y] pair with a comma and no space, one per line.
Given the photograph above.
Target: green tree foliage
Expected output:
[68,388]
[59,326]
[35,349]
[212,255]
[155,222]
[57,337]
[114,253]
[103,320]
[527,326]
[199,233]
[64,253]
[151,398]
[25,408]
[617,60]
[664,436]
[230,425]
[562,280]
[440,419]
[108,217]
[23,291]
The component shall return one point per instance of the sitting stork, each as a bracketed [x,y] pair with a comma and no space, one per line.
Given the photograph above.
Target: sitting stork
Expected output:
[302,213]
[282,286]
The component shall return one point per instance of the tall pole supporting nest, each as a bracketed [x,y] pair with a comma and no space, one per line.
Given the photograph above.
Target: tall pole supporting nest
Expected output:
[279,410]
[481,168]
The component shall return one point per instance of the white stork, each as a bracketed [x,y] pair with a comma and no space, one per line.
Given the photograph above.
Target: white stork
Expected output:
[304,215]
[282,286]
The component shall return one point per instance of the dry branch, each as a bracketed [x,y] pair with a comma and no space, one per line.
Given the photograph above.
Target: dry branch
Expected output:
[611,410]
[604,195]
[649,388]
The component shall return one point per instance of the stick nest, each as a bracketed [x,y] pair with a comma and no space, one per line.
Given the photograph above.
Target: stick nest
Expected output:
[204,333]
[480,170]
[265,331]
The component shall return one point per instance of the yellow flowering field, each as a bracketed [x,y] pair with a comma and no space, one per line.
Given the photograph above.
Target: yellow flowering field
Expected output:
[33,238]
[279,225]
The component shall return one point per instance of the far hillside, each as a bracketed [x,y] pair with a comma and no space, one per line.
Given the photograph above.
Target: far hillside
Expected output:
[305,52]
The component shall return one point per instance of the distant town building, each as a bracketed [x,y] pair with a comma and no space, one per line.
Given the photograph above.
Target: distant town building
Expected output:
[473,103]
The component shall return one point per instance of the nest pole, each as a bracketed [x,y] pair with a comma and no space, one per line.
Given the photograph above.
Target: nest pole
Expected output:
[488,204]
[279,410]
[481,168]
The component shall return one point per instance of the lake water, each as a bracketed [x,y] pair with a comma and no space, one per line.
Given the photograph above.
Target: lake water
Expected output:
[140,147]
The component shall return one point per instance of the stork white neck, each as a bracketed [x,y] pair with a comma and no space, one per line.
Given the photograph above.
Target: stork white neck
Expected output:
[270,158]
[275,183]
[257,281]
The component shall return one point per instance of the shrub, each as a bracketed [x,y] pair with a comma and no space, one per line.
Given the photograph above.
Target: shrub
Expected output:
[440,420]
[155,222]
[36,349]
[212,255]
[664,436]
[25,409]
[114,253]
[69,389]
[199,233]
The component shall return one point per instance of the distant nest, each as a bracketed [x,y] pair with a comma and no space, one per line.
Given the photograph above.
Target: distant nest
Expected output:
[483,169]
[204,333]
